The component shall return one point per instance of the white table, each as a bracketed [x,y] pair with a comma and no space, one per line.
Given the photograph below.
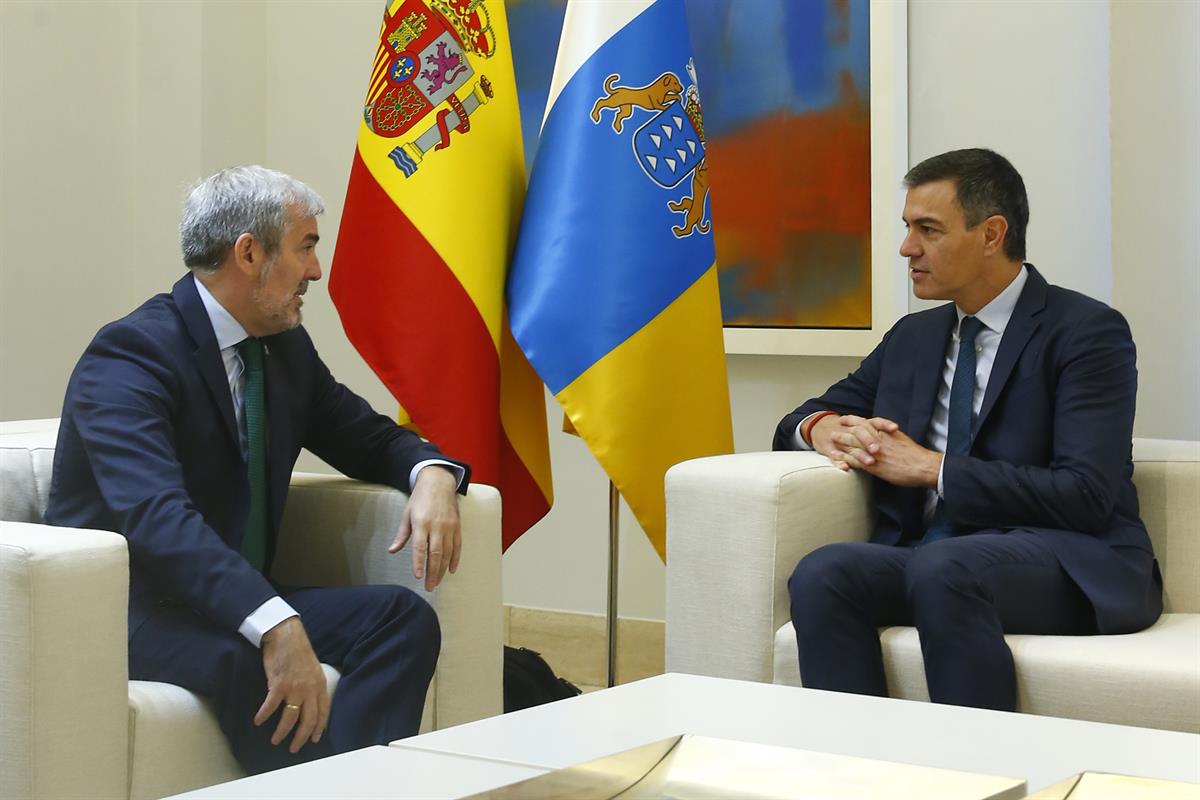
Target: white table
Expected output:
[373,773]
[493,752]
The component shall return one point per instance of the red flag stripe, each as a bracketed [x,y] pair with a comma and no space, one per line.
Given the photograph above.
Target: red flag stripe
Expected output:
[402,292]
[522,499]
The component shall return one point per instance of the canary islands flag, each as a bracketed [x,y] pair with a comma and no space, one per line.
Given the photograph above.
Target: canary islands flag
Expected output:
[429,223]
[613,289]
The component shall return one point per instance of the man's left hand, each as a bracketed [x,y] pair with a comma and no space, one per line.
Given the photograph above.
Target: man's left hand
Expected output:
[898,460]
[431,521]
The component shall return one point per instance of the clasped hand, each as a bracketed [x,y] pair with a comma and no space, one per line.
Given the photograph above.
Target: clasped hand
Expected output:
[431,520]
[877,446]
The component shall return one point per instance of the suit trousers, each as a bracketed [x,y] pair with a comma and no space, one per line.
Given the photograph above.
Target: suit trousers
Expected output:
[962,594]
[384,640]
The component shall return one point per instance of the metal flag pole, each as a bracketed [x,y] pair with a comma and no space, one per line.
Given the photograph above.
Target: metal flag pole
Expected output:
[614,508]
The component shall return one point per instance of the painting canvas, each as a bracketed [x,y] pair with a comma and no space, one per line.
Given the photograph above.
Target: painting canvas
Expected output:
[785,93]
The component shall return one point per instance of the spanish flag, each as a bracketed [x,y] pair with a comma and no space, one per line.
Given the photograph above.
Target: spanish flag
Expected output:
[429,223]
[613,291]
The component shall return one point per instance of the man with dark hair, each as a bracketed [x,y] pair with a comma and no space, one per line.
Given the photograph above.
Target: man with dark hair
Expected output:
[998,431]
[180,428]
[985,185]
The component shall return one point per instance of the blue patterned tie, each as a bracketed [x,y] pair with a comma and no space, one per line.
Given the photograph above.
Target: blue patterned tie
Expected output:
[254,540]
[958,425]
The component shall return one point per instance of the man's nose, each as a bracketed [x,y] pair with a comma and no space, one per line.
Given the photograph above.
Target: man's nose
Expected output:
[909,247]
[314,270]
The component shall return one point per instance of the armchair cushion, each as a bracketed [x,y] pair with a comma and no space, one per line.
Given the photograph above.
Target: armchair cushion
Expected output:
[1152,680]
[26,458]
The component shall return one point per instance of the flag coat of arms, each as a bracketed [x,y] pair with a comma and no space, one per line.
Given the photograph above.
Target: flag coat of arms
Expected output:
[613,289]
[427,229]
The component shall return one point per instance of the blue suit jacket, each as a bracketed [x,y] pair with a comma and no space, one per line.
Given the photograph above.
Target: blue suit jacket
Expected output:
[149,447]
[1051,449]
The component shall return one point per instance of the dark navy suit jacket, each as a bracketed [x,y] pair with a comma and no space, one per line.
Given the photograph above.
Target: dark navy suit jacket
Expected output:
[149,447]
[1051,449]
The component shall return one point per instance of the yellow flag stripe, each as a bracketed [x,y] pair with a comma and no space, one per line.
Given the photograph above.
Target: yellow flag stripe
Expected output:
[522,401]
[456,198]
[660,397]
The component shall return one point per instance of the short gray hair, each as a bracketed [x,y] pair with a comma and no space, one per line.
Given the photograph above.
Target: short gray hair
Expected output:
[247,199]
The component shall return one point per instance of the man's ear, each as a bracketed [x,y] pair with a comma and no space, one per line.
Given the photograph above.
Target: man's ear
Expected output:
[248,254]
[995,229]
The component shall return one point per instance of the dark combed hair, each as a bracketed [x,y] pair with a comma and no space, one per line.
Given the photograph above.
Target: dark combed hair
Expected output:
[986,184]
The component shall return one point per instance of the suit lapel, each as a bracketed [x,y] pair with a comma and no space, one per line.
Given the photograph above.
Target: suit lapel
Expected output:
[928,368]
[206,354]
[1021,327]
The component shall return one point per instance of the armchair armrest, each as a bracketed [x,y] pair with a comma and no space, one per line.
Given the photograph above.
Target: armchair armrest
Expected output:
[1166,474]
[336,531]
[64,668]
[736,526]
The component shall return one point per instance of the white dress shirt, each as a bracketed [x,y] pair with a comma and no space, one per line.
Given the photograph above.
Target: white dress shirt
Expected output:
[230,334]
[994,316]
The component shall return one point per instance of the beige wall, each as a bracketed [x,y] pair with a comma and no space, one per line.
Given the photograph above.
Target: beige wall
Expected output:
[64,242]
[1156,205]
[109,109]
[1029,80]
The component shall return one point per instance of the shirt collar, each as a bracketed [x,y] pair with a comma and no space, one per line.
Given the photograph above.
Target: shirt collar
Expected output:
[996,314]
[228,330]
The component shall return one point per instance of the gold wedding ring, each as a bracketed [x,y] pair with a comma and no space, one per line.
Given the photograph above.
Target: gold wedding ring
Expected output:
[293,706]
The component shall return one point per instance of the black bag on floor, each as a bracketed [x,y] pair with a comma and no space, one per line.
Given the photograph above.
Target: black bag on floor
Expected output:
[529,681]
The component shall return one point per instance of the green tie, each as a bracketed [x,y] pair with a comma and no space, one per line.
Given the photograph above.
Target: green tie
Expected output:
[254,541]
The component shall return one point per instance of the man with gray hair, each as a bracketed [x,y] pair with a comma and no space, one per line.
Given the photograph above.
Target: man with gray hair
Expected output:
[180,428]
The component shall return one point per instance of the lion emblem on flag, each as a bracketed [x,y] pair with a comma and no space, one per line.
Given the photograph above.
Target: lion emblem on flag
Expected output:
[669,146]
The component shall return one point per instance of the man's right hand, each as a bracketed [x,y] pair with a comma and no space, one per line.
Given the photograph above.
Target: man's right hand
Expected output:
[834,436]
[294,681]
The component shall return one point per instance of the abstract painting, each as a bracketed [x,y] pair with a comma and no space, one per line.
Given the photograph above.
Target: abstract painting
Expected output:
[785,95]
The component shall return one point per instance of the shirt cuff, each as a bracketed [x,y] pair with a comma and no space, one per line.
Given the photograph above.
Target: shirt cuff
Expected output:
[941,469]
[265,617]
[459,472]
[797,438]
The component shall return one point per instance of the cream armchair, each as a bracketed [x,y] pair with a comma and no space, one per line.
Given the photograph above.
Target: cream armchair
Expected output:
[71,722]
[737,525]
